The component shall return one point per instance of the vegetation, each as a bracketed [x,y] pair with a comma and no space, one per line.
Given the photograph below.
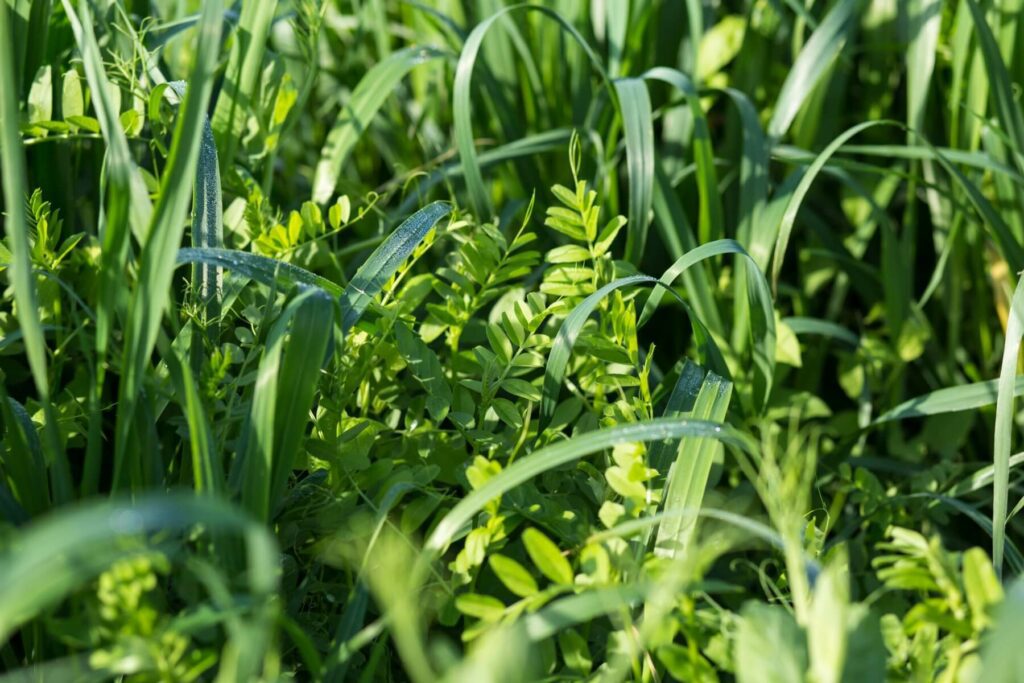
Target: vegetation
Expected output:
[469,341]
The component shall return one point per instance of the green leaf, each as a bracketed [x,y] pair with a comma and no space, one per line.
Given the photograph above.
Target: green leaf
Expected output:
[1003,439]
[513,575]
[635,109]
[427,369]
[770,647]
[356,115]
[482,607]
[385,261]
[950,400]
[547,557]
[286,380]
[813,63]
[521,388]
[262,269]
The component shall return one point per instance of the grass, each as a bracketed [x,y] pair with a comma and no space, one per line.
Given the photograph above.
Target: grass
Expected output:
[586,341]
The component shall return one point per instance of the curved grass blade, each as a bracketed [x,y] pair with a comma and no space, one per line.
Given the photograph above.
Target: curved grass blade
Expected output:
[385,260]
[711,224]
[152,293]
[461,108]
[759,299]
[561,348]
[812,63]
[355,117]
[563,452]
[262,269]
[46,560]
[285,385]
[635,109]
[823,328]
[1006,394]
[12,170]
[950,400]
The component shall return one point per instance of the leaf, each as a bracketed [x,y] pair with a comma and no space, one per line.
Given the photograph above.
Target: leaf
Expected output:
[950,400]
[635,109]
[813,62]
[236,102]
[547,557]
[461,106]
[513,575]
[385,261]
[286,380]
[262,269]
[427,369]
[150,299]
[521,388]
[355,117]
[770,647]
[1003,439]
[482,607]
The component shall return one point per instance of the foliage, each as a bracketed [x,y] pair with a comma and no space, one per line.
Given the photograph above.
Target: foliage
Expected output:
[577,341]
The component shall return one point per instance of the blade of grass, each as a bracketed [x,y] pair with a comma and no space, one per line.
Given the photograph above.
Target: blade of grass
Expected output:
[688,477]
[285,384]
[355,117]
[262,269]
[812,63]
[1007,385]
[385,260]
[462,109]
[635,109]
[237,99]
[950,400]
[711,225]
[152,293]
[762,329]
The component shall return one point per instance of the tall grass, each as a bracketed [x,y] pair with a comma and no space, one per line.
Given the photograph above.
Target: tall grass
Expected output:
[740,405]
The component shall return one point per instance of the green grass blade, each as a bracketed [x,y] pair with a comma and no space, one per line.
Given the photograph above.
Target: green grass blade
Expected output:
[567,451]
[823,328]
[1007,385]
[286,380]
[152,294]
[462,109]
[785,228]
[678,238]
[386,259]
[635,109]
[238,97]
[762,329]
[711,225]
[688,477]
[22,456]
[262,269]
[355,117]
[1002,90]
[813,62]
[950,400]
[207,468]
[207,216]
